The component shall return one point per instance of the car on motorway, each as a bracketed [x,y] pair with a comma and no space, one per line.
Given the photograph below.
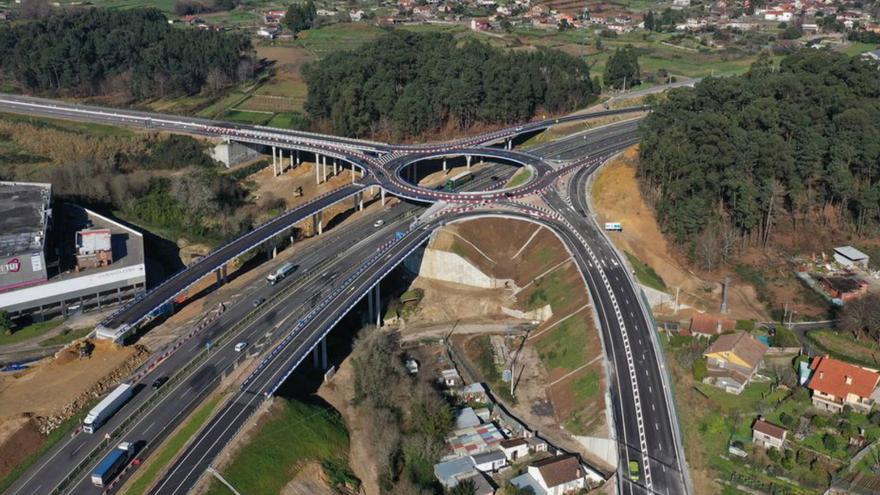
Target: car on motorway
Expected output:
[158,382]
[259,301]
[378,223]
[240,346]
[634,471]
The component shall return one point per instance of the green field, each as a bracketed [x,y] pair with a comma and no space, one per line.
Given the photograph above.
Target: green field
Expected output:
[844,346]
[521,176]
[645,273]
[31,331]
[564,346]
[159,460]
[293,434]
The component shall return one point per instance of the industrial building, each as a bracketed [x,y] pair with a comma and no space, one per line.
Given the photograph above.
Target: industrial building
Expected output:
[64,259]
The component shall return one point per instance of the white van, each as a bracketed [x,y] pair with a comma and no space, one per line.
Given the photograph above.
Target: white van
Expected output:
[240,346]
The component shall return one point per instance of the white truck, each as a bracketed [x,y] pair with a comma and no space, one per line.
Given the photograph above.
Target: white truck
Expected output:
[279,274]
[107,407]
[613,227]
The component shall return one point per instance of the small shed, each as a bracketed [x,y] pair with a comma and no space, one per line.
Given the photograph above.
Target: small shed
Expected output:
[489,462]
[850,257]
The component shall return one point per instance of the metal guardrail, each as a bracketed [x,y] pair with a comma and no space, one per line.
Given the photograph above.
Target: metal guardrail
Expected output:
[187,371]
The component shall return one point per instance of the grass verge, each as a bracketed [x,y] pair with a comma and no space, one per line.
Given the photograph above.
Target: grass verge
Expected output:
[293,434]
[645,273]
[31,331]
[66,336]
[172,446]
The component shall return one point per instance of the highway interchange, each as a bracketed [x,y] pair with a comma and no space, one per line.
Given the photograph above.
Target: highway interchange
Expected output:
[644,418]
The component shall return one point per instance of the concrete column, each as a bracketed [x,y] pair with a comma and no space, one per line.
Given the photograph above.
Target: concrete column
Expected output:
[444,164]
[383,196]
[315,362]
[324,363]
[317,166]
[318,222]
[224,268]
[378,300]
[291,158]
[219,277]
[334,168]
[468,159]
[324,168]
[274,251]
[360,199]
[352,173]
[297,157]
[370,306]
[274,162]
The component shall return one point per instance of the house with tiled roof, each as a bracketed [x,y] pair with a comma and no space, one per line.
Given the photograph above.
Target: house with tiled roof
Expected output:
[557,476]
[706,325]
[767,435]
[835,384]
[733,360]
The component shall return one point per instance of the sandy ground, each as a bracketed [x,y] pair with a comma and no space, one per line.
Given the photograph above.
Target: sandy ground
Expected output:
[309,480]
[446,302]
[617,198]
[45,388]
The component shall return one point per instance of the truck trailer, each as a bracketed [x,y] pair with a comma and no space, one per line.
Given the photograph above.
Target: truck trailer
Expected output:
[107,407]
[279,274]
[111,465]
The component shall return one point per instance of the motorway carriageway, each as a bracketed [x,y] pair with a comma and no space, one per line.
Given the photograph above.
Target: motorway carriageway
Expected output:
[322,254]
[343,247]
[648,431]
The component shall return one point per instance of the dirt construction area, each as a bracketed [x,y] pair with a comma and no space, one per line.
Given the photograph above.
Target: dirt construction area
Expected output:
[617,198]
[34,401]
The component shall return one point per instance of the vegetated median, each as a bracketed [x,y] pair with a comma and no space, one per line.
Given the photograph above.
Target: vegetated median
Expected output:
[171,448]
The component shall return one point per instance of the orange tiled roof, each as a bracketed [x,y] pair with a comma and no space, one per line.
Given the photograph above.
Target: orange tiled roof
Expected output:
[830,376]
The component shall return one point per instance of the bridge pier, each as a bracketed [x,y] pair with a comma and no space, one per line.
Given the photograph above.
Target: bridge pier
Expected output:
[352,173]
[370,306]
[510,144]
[378,300]
[324,360]
[444,165]
[317,168]
[382,191]
[334,168]
[297,157]
[324,168]
[468,160]
[318,222]
[274,163]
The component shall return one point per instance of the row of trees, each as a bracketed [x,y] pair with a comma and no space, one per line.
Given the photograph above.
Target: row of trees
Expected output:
[735,156]
[97,51]
[410,83]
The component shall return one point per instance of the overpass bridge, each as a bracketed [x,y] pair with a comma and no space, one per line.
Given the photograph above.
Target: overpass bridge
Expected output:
[628,340]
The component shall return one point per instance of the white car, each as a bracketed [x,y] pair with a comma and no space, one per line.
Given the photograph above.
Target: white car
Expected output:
[240,346]
[378,223]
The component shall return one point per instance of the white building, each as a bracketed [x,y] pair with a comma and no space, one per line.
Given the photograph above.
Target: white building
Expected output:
[557,476]
[850,257]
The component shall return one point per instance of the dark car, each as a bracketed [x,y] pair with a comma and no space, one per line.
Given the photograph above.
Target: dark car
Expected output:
[158,382]
[258,301]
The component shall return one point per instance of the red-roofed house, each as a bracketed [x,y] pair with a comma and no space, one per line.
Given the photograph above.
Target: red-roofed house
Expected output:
[836,384]
[704,325]
[768,435]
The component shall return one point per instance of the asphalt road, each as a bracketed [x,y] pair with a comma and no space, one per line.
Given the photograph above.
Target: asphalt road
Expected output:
[341,251]
[643,414]
[344,249]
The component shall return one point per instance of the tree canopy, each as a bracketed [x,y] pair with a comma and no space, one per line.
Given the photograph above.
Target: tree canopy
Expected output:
[409,83]
[95,51]
[801,142]
[622,70]
[300,16]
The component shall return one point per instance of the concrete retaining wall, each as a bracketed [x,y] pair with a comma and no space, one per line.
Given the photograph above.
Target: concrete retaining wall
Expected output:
[450,267]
